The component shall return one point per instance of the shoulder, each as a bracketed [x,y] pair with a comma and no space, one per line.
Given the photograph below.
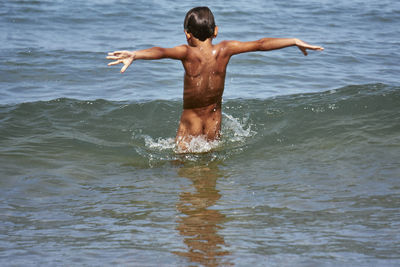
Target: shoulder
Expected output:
[227,43]
[177,52]
[181,48]
[229,47]
[233,47]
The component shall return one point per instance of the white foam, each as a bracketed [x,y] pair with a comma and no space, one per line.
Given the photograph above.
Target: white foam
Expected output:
[197,144]
[233,132]
[236,130]
[160,143]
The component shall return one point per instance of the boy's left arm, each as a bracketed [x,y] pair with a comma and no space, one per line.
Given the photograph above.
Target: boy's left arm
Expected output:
[267,44]
[127,57]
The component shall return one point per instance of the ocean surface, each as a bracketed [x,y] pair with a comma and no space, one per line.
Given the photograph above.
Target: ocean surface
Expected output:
[307,172]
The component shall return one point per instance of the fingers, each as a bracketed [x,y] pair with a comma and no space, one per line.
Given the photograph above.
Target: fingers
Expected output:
[117,57]
[119,52]
[126,65]
[115,63]
[112,57]
[115,53]
[320,48]
[124,57]
[124,68]
[303,50]
[311,47]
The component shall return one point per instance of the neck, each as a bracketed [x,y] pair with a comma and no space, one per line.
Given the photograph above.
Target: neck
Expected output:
[197,43]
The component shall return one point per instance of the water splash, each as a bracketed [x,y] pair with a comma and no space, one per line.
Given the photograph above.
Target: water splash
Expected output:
[198,144]
[234,134]
[235,130]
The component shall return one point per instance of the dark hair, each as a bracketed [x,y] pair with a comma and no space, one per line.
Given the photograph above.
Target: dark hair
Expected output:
[199,21]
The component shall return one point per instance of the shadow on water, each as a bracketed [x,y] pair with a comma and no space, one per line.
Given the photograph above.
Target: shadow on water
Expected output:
[198,224]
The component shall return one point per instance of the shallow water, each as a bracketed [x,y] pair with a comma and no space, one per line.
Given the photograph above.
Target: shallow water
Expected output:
[306,173]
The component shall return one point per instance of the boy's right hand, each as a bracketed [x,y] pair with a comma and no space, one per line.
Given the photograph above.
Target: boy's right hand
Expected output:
[124,57]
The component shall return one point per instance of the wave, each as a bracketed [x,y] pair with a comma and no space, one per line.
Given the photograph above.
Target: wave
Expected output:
[143,132]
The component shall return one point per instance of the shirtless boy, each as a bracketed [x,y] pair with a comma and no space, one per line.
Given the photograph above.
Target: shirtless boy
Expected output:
[205,69]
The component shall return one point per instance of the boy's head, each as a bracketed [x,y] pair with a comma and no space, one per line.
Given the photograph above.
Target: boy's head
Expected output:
[199,22]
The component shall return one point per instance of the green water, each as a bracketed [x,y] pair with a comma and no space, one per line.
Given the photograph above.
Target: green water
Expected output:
[297,180]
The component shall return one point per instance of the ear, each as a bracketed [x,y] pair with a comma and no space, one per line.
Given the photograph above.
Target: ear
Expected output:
[215,31]
[188,35]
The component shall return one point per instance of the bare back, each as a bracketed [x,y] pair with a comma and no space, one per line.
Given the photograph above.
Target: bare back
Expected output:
[205,70]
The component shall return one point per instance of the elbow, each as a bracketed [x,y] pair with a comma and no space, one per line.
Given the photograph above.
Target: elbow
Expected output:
[159,53]
[263,44]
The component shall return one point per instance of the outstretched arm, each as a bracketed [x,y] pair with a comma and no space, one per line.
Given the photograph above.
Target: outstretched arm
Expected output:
[127,57]
[267,44]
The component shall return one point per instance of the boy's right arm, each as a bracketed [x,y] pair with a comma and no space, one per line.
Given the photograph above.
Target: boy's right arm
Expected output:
[127,57]
[267,44]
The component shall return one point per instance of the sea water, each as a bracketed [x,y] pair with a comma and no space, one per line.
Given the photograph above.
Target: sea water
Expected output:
[306,172]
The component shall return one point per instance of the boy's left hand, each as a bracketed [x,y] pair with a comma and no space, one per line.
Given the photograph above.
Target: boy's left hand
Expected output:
[124,57]
[303,46]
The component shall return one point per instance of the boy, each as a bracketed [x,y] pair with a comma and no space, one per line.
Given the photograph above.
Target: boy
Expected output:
[205,69]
